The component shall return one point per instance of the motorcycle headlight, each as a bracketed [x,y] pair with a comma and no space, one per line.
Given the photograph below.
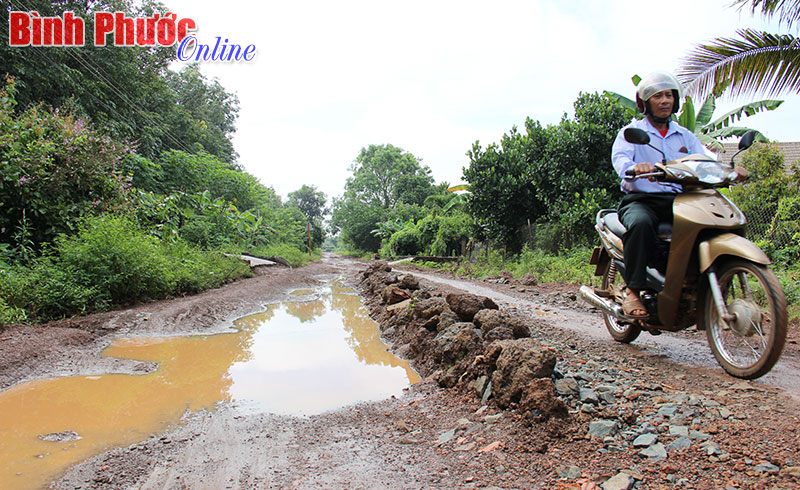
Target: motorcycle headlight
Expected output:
[710,172]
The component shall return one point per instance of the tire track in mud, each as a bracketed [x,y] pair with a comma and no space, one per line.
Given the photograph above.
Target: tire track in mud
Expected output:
[688,348]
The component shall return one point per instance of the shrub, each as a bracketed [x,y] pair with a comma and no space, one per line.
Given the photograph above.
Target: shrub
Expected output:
[45,290]
[123,262]
[193,270]
[11,314]
[291,254]
[406,241]
[54,170]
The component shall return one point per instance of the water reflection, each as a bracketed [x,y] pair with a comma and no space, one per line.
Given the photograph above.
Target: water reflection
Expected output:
[296,358]
[316,355]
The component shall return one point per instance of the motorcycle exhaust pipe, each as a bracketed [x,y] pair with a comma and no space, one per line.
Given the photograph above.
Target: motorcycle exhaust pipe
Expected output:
[587,294]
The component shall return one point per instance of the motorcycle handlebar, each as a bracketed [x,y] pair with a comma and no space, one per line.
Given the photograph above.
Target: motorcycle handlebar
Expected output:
[631,174]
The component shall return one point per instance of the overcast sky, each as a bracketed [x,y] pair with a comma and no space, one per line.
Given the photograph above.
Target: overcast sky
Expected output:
[432,77]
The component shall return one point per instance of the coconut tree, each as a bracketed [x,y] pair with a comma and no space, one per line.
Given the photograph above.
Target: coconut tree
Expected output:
[755,62]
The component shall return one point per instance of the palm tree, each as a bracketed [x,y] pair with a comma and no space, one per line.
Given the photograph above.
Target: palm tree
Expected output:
[756,62]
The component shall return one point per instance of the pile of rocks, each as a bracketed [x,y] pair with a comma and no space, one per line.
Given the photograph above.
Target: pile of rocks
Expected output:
[464,339]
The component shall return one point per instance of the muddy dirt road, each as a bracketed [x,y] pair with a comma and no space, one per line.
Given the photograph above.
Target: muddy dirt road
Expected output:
[656,414]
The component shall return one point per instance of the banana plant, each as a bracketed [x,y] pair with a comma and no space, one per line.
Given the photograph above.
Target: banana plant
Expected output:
[710,132]
[386,229]
[458,199]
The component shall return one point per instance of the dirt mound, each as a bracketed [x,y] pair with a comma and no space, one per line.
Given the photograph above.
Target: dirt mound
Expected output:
[464,341]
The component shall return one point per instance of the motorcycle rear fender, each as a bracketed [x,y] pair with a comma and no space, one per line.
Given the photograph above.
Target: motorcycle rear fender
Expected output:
[600,258]
[729,244]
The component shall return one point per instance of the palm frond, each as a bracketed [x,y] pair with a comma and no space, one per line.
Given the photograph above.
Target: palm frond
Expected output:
[788,11]
[710,142]
[687,118]
[732,131]
[758,62]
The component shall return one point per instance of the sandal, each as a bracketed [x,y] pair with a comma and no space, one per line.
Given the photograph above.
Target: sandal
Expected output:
[632,304]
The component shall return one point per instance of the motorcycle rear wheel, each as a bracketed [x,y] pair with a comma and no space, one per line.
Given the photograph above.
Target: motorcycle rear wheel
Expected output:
[613,283]
[749,346]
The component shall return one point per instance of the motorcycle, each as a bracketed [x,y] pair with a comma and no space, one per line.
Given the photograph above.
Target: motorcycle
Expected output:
[703,270]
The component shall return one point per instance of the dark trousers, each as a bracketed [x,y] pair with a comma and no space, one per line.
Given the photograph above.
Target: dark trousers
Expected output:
[640,213]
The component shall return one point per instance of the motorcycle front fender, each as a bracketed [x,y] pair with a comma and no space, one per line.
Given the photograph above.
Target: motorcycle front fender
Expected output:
[729,244]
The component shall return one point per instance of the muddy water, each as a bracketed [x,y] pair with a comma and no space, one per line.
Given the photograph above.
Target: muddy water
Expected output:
[317,353]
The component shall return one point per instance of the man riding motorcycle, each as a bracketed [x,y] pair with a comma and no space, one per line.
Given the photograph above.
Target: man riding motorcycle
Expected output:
[647,202]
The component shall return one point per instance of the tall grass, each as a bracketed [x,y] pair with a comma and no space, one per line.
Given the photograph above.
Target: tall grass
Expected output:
[568,266]
[108,261]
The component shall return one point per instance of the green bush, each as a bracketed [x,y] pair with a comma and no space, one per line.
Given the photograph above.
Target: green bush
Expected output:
[45,290]
[406,241]
[110,261]
[11,314]
[193,270]
[123,262]
[453,230]
[54,170]
[290,253]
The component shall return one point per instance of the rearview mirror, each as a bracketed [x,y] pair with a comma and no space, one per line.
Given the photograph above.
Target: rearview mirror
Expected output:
[636,136]
[747,140]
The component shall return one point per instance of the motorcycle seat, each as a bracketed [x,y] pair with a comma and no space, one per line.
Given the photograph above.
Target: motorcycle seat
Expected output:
[612,222]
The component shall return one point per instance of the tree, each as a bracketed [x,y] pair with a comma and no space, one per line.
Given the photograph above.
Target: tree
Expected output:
[756,62]
[357,221]
[500,179]
[387,183]
[205,113]
[311,203]
[535,176]
[383,175]
[129,93]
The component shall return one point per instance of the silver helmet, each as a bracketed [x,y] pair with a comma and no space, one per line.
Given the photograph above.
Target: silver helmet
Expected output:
[654,83]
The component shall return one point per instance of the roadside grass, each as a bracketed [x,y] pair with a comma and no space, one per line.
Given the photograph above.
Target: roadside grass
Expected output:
[570,266]
[293,255]
[355,254]
[789,278]
[109,261]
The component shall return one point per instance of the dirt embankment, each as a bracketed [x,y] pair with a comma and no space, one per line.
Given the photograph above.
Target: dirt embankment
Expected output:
[510,401]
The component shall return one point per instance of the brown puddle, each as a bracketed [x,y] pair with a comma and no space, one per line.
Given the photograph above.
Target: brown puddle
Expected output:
[297,358]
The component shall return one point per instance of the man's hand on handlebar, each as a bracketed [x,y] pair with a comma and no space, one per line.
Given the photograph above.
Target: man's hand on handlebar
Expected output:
[642,168]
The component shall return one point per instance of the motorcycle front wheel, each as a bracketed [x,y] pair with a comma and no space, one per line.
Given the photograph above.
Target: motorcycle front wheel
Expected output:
[615,286]
[749,346]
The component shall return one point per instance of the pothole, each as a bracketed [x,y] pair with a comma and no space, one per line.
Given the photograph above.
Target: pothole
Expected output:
[303,357]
